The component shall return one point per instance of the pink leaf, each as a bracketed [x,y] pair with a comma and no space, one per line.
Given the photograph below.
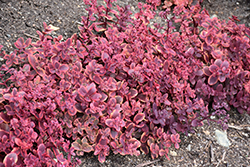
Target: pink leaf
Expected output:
[212,80]
[190,52]
[68,42]
[216,54]
[41,150]
[139,117]
[218,62]
[114,134]
[61,159]
[109,123]
[99,29]
[133,93]
[18,142]
[72,111]
[64,68]
[115,114]
[176,145]
[199,73]
[10,159]
[213,68]
[28,42]
[87,148]
[222,78]
[32,60]
[105,57]
[101,157]
[82,91]
[96,97]
[225,64]
[209,39]
[97,79]
[160,49]
[207,71]
[19,43]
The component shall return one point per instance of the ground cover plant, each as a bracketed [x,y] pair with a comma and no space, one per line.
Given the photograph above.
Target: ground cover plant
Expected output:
[120,86]
[169,3]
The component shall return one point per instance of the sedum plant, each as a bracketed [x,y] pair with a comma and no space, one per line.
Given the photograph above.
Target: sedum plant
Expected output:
[120,85]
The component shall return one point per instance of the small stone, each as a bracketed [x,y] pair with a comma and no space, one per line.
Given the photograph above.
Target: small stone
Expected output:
[54,27]
[173,153]
[222,139]
[214,15]
[244,134]
[206,132]
[212,117]
[189,147]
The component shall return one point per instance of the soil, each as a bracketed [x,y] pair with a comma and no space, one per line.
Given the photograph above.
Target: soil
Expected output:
[22,18]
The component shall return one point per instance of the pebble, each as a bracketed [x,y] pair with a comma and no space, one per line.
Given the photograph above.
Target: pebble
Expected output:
[189,147]
[206,132]
[222,139]
[173,153]
[212,117]
[245,134]
[214,15]
[8,35]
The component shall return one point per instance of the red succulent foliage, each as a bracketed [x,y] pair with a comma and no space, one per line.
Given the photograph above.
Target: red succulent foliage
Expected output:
[81,146]
[218,71]
[169,3]
[11,59]
[10,160]
[56,68]
[21,45]
[115,121]
[175,138]
[122,86]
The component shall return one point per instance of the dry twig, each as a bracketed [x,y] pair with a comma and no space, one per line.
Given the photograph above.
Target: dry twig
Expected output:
[212,153]
[222,159]
[241,127]
[79,23]
[31,36]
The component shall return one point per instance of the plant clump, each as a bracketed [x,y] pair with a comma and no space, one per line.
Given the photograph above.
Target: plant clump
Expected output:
[121,85]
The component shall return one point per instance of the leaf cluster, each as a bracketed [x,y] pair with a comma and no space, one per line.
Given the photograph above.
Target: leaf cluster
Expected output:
[121,85]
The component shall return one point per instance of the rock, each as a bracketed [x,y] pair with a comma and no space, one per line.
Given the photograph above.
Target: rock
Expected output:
[173,153]
[212,117]
[206,132]
[245,134]
[214,15]
[222,139]
[189,147]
